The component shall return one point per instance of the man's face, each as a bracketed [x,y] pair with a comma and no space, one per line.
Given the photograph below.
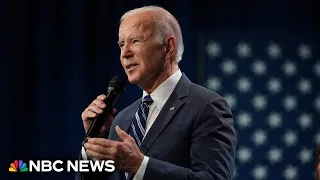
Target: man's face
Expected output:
[141,57]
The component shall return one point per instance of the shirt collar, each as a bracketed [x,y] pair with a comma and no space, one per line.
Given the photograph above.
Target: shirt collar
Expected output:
[161,94]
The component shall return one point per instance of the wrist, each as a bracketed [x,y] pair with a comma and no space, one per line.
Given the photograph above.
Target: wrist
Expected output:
[138,164]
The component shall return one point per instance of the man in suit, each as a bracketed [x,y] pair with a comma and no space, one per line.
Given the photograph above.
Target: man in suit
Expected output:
[178,130]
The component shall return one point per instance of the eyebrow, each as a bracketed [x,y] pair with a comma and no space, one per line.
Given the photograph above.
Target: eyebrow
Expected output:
[133,37]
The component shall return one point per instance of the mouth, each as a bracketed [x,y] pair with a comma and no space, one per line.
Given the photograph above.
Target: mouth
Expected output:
[130,66]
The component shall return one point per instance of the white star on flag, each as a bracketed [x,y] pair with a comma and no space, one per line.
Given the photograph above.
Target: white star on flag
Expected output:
[290,138]
[228,67]
[244,155]
[232,101]
[214,83]
[213,49]
[274,155]
[245,120]
[259,137]
[304,86]
[274,120]
[305,155]
[289,103]
[274,51]
[304,51]
[290,172]
[243,50]
[305,121]
[244,84]
[259,67]
[274,85]
[259,102]
[260,172]
[289,68]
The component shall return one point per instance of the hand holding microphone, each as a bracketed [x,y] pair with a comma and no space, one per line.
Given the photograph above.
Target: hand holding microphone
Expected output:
[98,116]
[93,111]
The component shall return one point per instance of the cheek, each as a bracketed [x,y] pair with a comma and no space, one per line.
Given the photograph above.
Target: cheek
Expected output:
[121,61]
[151,60]
[151,66]
[158,62]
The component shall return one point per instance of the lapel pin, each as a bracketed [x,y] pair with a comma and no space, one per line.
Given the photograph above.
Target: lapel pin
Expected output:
[172,108]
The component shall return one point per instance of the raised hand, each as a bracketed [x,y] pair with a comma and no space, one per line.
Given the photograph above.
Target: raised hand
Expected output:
[126,154]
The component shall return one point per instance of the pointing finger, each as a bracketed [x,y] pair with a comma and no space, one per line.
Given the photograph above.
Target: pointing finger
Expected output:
[102,142]
[123,135]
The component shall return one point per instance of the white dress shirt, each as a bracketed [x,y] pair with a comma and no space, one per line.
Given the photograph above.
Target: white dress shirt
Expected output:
[159,96]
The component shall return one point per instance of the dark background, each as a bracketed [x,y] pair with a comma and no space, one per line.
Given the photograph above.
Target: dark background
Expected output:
[57,56]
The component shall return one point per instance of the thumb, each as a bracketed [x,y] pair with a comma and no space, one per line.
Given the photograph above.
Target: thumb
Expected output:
[123,135]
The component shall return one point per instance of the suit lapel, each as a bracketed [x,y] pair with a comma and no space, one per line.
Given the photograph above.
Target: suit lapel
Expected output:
[171,107]
[126,124]
[161,122]
[124,121]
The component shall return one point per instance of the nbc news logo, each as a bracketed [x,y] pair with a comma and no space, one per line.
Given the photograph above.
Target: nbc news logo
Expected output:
[18,166]
[62,166]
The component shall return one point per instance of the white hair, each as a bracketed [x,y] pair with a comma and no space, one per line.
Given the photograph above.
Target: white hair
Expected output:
[166,24]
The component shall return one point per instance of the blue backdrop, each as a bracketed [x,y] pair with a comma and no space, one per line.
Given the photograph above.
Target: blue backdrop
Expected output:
[263,56]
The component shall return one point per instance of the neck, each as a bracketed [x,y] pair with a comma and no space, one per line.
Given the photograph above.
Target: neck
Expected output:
[161,77]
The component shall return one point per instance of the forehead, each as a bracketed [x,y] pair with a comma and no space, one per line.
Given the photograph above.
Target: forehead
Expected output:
[137,24]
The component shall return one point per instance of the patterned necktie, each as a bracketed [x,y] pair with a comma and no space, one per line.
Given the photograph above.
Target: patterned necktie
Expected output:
[137,128]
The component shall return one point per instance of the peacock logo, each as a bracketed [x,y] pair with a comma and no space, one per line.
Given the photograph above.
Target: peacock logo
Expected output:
[18,166]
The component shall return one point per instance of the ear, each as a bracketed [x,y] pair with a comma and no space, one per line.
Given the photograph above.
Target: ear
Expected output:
[171,46]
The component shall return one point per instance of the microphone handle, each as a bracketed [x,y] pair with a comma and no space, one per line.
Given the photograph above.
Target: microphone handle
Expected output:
[97,124]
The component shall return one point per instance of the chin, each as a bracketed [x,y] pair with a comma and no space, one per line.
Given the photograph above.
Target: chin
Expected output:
[133,80]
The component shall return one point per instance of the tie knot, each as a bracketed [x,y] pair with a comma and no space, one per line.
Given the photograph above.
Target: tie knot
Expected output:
[147,100]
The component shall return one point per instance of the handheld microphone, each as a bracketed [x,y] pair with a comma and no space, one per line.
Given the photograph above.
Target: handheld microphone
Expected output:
[115,87]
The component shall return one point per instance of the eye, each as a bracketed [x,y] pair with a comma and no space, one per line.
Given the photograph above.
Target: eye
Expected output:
[135,41]
[121,44]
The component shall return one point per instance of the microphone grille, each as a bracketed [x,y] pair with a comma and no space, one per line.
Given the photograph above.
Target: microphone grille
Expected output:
[118,83]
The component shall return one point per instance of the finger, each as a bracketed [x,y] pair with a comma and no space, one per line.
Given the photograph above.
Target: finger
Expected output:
[123,135]
[90,115]
[96,148]
[102,97]
[95,108]
[114,110]
[110,152]
[99,103]
[96,155]
[102,142]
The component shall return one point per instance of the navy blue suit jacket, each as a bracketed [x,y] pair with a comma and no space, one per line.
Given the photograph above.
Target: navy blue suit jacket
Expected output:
[194,140]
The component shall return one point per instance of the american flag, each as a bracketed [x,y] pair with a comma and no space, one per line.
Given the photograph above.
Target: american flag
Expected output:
[272,83]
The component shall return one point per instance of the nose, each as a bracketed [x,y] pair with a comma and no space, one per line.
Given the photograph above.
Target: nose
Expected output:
[126,51]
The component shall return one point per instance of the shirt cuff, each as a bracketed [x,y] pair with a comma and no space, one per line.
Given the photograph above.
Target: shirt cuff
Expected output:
[84,154]
[142,169]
